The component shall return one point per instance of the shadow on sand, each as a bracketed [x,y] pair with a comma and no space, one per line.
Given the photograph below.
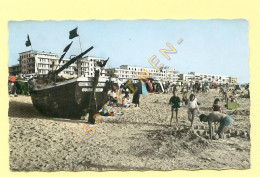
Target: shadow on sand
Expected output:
[27,111]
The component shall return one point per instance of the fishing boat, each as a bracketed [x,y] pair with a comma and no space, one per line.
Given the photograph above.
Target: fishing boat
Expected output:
[70,98]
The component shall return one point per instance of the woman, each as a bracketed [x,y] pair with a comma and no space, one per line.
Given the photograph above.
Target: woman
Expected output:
[136,97]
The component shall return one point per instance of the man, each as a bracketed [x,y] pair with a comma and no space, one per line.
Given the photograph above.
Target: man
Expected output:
[175,102]
[224,120]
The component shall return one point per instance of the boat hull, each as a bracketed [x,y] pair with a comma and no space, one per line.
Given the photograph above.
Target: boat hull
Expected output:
[67,100]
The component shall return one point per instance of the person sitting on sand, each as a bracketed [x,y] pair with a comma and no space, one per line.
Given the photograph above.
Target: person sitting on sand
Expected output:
[126,100]
[192,107]
[216,105]
[175,102]
[224,120]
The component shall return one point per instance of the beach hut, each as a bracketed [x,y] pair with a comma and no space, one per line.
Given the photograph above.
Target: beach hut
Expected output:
[142,88]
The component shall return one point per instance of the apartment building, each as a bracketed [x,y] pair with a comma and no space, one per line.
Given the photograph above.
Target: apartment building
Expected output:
[232,80]
[34,62]
[210,78]
[14,70]
[126,72]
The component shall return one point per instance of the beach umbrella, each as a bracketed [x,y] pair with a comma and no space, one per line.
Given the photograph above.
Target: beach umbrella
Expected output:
[12,79]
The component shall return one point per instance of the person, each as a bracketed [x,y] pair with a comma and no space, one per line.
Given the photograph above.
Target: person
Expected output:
[225,96]
[203,88]
[185,98]
[224,120]
[192,108]
[175,102]
[216,106]
[126,100]
[108,109]
[234,92]
[136,97]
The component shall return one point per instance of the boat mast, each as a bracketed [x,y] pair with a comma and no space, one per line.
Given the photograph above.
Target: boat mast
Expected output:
[79,66]
[73,60]
[79,60]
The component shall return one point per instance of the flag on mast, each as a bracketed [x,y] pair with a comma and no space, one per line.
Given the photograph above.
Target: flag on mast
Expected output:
[68,47]
[73,33]
[62,56]
[28,42]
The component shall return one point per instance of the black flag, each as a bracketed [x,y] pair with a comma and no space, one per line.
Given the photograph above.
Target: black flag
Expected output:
[73,33]
[101,65]
[67,48]
[28,42]
[62,56]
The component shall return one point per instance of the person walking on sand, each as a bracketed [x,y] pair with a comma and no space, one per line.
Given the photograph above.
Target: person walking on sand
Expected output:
[224,120]
[185,98]
[175,102]
[192,108]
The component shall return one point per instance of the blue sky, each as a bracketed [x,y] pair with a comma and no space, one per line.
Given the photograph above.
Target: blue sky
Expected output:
[208,46]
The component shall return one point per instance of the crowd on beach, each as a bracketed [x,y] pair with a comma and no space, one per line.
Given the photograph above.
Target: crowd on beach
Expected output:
[227,95]
[119,96]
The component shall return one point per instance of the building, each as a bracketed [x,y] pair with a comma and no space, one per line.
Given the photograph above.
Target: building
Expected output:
[210,78]
[88,66]
[34,62]
[232,80]
[14,70]
[126,72]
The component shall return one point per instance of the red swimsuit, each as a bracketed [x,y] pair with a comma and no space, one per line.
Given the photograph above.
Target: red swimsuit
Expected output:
[216,107]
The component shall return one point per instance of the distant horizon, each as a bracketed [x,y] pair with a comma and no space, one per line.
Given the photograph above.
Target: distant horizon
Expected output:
[217,47]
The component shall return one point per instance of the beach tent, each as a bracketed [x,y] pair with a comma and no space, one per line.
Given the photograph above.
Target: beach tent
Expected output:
[142,87]
[149,87]
[22,86]
[161,86]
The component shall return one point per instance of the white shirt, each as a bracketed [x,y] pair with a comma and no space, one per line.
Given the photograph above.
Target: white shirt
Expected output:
[193,104]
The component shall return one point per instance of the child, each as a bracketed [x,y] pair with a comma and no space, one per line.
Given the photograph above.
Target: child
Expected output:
[185,98]
[224,120]
[175,102]
[216,106]
[225,95]
[126,100]
[192,107]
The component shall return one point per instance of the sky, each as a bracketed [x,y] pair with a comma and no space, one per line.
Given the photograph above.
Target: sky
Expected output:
[208,46]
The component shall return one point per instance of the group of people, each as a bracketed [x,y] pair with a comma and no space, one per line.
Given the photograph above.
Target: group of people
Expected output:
[216,116]
[115,100]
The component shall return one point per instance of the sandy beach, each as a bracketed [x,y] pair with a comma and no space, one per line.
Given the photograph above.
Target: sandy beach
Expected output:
[136,139]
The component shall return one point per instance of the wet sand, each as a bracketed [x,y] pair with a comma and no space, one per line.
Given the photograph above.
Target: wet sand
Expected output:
[137,139]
